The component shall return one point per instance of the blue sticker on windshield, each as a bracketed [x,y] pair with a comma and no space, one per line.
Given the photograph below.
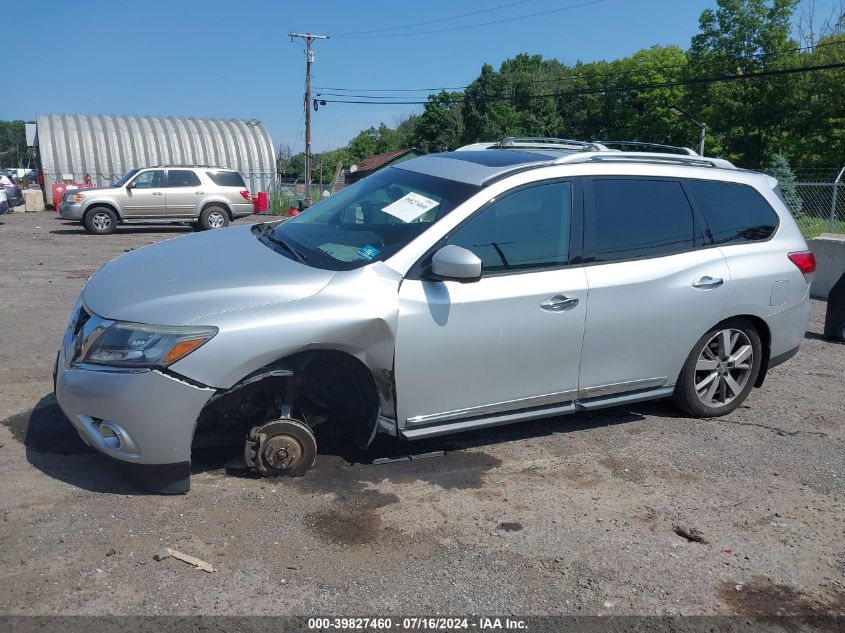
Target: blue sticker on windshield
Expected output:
[368,252]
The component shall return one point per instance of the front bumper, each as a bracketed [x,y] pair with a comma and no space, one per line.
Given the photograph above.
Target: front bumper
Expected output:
[70,210]
[142,417]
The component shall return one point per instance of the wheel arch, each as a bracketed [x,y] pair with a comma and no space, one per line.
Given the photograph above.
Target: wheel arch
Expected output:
[324,387]
[96,204]
[214,202]
[765,334]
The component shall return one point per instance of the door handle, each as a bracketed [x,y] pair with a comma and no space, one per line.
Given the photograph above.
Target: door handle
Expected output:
[559,303]
[707,282]
[199,193]
[157,193]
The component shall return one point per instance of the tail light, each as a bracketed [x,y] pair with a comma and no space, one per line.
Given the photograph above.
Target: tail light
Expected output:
[245,194]
[805,261]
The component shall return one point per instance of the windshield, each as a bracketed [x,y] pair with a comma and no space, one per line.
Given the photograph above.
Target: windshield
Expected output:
[368,221]
[126,178]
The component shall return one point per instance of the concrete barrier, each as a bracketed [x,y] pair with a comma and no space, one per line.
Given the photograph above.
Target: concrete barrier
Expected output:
[829,250]
[33,200]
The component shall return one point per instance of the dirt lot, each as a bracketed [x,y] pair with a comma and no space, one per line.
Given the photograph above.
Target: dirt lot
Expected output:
[571,515]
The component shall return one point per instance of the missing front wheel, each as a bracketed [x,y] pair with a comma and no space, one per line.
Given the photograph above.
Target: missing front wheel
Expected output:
[280,447]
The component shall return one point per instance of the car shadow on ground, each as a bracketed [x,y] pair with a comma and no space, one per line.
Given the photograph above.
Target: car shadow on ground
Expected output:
[126,229]
[54,447]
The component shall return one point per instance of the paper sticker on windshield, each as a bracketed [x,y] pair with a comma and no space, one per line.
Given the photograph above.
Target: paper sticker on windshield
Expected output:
[368,252]
[410,207]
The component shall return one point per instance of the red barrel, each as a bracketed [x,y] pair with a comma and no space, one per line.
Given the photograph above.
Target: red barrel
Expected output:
[58,190]
[263,204]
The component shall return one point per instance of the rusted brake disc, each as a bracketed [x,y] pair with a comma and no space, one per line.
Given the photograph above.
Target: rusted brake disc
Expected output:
[280,447]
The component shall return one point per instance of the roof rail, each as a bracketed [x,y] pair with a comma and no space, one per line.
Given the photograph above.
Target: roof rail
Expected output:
[547,143]
[674,150]
[646,157]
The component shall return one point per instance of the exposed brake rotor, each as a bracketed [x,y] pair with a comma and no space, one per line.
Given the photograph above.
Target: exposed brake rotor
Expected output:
[280,447]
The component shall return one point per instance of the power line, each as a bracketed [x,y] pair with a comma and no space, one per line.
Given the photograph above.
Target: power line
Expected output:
[580,72]
[633,88]
[454,17]
[478,24]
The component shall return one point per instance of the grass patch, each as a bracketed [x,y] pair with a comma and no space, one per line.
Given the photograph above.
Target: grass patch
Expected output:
[813,227]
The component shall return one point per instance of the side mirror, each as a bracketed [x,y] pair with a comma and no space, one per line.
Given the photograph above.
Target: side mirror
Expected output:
[455,263]
[130,186]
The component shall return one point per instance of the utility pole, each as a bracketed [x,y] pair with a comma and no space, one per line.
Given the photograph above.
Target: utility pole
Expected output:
[309,59]
[702,128]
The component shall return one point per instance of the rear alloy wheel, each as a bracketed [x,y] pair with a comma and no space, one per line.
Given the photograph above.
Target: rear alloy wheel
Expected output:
[280,447]
[720,371]
[213,218]
[100,221]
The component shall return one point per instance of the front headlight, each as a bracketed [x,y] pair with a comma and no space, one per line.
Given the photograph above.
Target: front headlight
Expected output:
[125,344]
[77,197]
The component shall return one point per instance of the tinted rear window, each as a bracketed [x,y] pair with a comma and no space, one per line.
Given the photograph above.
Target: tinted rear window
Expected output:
[226,179]
[182,178]
[633,218]
[735,213]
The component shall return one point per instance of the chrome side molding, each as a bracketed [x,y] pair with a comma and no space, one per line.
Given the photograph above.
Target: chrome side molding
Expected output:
[548,399]
[532,402]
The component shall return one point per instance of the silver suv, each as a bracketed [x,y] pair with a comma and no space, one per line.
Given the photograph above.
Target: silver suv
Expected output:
[206,197]
[490,285]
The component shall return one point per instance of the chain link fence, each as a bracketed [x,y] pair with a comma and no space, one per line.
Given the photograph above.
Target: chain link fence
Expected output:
[818,207]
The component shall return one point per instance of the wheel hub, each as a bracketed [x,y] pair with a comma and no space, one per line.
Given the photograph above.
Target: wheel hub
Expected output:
[282,451]
[280,447]
[723,367]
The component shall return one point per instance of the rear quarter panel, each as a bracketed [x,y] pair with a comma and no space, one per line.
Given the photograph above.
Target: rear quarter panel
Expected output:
[765,283]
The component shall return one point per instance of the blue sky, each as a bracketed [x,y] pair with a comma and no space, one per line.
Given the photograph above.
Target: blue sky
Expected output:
[219,58]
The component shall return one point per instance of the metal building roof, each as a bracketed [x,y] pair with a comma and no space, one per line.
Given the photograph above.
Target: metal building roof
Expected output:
[106,147]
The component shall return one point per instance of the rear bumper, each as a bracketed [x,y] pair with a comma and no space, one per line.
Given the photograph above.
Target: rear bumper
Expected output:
[242,210]
[788,328]
[4,207]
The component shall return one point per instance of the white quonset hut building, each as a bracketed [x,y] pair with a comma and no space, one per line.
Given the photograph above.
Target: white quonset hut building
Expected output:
[106,147]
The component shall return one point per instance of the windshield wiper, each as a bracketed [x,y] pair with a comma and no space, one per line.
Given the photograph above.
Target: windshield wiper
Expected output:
[300,257]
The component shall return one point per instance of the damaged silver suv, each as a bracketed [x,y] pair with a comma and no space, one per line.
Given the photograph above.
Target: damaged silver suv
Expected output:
[494,284]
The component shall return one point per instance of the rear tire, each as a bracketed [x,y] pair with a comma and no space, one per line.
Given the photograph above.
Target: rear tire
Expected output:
[100,221]
[213,217]
[720,371]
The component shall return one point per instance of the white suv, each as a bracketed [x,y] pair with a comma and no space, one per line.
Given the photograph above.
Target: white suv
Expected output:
[524,279]
[206,197]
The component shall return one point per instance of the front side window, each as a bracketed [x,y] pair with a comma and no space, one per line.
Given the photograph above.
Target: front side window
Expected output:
[182,178]
[735,213]
[527,229]
[152,179]
[126,177]
[634,218]
[368,221]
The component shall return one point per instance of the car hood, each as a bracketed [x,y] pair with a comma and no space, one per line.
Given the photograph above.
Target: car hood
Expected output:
[187,279]
[98,190]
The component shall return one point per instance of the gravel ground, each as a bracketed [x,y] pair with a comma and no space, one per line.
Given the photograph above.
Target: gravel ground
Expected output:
[572,515]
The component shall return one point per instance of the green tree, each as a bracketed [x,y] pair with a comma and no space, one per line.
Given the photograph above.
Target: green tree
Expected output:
[779,168]
[817,127]
[741,37]
[13,149]
[440,127]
